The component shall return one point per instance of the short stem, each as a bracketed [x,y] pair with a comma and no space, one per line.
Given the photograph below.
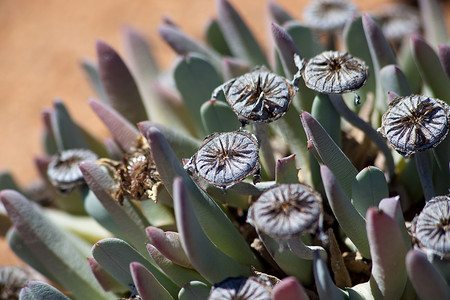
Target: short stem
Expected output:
[423,169]
[303,251]
[262,132]
[356,121]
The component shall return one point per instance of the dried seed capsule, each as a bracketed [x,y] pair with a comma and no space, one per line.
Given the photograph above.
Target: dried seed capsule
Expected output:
[399,20]
[240,288]
[328,15]
[415,123]
[433,226]
[332,72]
[286,211]
[258,96]
[63,171]
[225,159]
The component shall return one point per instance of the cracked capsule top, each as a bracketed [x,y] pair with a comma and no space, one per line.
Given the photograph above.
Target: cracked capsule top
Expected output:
[328,15]
[241,288]
[286,211]
[225,159]
[415,123]
[333,72]
[258,96]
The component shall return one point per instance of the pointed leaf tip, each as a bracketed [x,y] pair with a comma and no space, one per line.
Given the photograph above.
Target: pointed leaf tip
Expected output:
[289,288]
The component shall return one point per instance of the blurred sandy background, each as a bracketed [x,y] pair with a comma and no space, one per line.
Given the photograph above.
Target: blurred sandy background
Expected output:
[42,43]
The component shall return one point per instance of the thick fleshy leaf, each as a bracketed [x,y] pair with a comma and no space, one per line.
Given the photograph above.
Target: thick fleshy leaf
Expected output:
[35,290]
[286,170]
[426,279]
[194,290]
[381,53]
[52,247]
[348,217]
[287,261]
[393,79]
[180,275]
[207,259]
[195,79]
[278,14]
[391,206]
[368,188]
[115,152]
[304,39]
[139,54]
[210,215]
[91,71]
[356,42]
[430,68]
[325,285]
[183,44]
[327,152]
[123,131]
[183,145]
[115,256]
[241,41]
[127,216]
[147,285]
[444,57]
[66,133]
[286,49]
[215,38]
[233,67]
[169,244]
[120,86]
[159,214]
[7,181]
[388,251]
[217,116]
[433,19]
[408,65]
[107,282]
[289,288]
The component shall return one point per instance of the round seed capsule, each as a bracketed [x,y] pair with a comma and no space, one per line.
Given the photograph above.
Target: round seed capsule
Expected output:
[259,96]
[332,72]
[399,20]
[328,15]
[63,171]
[286,211]
[240,288]
[225,159]
[415,123]
[433,226]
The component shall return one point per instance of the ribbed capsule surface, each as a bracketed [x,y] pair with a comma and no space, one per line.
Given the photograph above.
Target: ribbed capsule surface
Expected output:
[333,72]
[328,14]
[240,288]
[225,159]
[433,225]
[415,123]
[63,171]
[259,96]
[286,211]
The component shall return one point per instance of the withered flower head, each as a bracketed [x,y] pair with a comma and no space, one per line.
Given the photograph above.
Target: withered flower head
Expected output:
[63,171]
[225,159]
[258,96]
[399,20]
[12,280]
[432,227]
[136,175]
[415,123]
[333,72]
[286,211]
[328,15]
[240,288]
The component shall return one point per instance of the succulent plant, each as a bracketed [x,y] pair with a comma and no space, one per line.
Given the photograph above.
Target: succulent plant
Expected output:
[166,208]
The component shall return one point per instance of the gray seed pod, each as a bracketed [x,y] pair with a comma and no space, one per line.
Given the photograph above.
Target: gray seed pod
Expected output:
[240,288]
[415,123]
[328,15]
[63,171]
[258,96]
[333,72]
[286,211]
[399,20]
[432,227]
[225,159]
